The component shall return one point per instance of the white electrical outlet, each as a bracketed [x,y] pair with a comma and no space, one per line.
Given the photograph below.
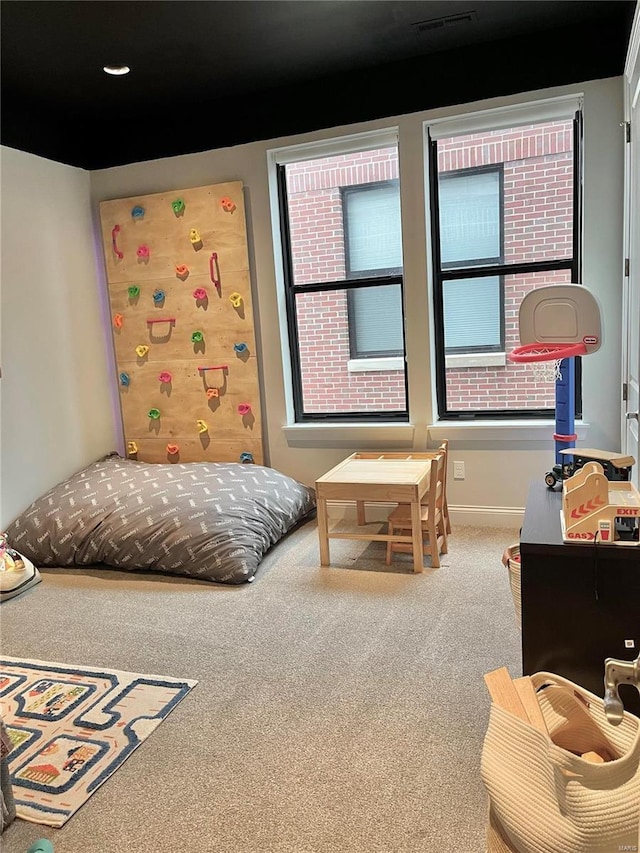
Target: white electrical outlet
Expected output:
[458,470]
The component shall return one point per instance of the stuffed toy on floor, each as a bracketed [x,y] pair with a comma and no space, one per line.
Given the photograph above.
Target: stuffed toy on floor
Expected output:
[17,573]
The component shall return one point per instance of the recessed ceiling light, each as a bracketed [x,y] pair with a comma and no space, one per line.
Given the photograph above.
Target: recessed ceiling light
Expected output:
[116,70]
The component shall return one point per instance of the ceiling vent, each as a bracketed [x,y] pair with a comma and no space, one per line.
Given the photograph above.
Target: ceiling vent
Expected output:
[447,21]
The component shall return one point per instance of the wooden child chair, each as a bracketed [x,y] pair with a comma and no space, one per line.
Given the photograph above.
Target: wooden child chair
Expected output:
[444,448]
[434,521]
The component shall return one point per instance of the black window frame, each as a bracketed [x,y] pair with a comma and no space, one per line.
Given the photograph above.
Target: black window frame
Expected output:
[290,291]
[573,264]
[382,272]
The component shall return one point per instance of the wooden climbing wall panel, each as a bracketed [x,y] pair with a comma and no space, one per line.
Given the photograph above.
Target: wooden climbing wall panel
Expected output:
[182,320]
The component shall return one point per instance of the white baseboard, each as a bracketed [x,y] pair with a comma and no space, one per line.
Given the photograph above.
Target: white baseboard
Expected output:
[487,516]
[470,516]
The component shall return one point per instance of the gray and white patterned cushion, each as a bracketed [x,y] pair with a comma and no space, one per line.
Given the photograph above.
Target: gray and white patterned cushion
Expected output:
[207,520]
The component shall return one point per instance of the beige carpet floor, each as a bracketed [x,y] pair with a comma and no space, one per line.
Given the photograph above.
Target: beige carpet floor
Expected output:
[338,710]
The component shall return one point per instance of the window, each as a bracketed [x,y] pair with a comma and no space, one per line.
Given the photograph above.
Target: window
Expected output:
[505,193]
[342,263]
[471,233]
[373,247]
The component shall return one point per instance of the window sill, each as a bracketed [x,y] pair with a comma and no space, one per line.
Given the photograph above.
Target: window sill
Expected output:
[367,365]
[492,431]
[478,359]
[390,436]
[362,436]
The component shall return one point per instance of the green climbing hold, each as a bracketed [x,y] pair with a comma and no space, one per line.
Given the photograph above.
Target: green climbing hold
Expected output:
[133,291]
[154,414]
[196,337]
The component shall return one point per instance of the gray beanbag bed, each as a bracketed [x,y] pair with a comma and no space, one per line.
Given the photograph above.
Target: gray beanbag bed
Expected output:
[206,520]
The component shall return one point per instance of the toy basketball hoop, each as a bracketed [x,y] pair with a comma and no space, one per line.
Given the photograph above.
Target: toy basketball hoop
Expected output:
[556,323]
[546,359]
[566,313]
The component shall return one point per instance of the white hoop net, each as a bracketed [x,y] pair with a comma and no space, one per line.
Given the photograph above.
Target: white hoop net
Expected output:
[545,371]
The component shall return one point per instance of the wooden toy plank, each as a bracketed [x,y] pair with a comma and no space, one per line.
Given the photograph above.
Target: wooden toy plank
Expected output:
[504,694]
[527,694]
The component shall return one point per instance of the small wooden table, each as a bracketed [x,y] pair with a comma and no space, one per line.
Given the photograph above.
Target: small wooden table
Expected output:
[384,477]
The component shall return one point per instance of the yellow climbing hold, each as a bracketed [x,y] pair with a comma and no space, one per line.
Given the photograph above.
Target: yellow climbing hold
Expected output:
[132,448]
[142,350]
[236,299]
[194,236]
[202,426]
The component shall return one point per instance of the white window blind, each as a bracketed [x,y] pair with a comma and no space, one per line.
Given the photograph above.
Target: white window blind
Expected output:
[470,217]
[377,318]
[472,313]
[535,112]
[373,226]
[335,147]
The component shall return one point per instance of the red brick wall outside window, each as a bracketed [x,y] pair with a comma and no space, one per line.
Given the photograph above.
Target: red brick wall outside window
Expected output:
[538,222]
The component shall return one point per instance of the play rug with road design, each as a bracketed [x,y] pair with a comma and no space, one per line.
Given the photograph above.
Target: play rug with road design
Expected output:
[71,727]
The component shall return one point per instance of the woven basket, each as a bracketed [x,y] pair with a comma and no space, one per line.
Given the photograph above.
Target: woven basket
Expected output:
[513,565]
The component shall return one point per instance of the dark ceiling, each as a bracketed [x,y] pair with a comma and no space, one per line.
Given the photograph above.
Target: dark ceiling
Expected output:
[211,74]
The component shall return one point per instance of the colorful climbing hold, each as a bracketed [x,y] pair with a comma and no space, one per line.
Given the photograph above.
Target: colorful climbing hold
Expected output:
[158,295]
[214,271]
[244,408]
[172,449]
[199,293]
[213,393]
[182,270]
[133,291]
[114,237]
[142,350]
[194,236]
[202,426]
[235,298]
[178,206]
[246,457]
[118,320]
[124,379]
[227,204]
[241,347]
[154,414]
[196,337]
[143,251]
[137,212]
[165,377]
[132,447]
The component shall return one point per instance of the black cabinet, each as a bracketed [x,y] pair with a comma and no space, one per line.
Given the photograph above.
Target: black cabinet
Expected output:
[580,602]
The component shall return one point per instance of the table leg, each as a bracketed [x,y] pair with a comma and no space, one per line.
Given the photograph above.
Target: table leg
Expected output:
[360,511]
[323,531]
[416,532]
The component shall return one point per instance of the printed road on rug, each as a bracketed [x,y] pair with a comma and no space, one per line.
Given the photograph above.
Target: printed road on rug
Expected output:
[71,727]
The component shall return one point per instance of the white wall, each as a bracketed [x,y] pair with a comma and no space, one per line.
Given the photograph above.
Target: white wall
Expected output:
[57,414]
[500,460]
